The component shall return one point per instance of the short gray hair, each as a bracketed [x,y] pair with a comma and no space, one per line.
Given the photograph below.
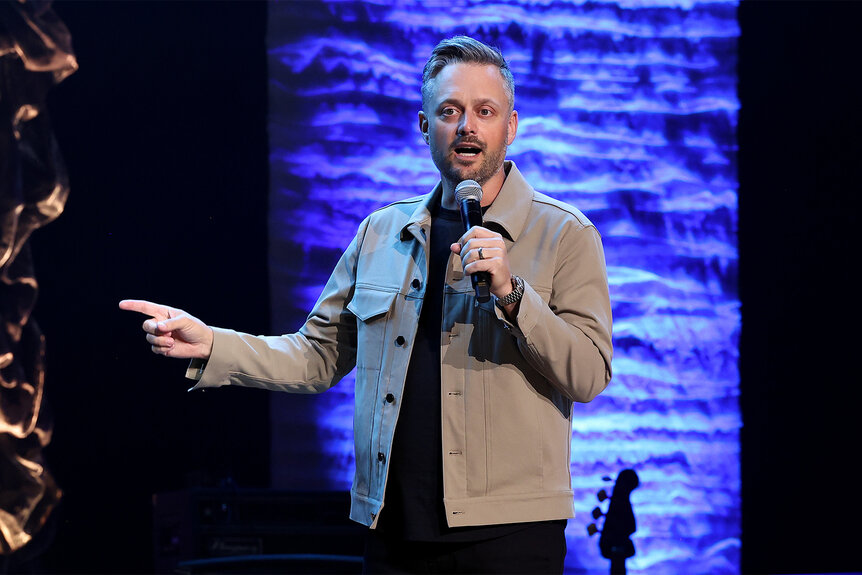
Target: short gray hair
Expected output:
[467,50]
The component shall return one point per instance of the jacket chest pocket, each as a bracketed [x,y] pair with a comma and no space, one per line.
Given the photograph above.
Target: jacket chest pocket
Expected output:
[372,307]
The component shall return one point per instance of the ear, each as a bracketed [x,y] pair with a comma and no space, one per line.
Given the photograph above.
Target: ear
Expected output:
[512,128]
[423,126]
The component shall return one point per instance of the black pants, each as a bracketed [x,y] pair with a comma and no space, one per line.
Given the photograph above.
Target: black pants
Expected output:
[535,549]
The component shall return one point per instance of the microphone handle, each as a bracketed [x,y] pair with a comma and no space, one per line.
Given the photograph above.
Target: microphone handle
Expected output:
[471,216]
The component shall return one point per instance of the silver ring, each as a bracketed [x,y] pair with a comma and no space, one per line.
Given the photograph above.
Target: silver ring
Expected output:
[481,257]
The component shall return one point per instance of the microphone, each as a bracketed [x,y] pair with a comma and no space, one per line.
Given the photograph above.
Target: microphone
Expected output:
[469,195]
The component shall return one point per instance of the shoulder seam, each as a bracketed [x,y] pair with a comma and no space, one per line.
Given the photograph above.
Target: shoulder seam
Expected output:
[540,198]
[410,200]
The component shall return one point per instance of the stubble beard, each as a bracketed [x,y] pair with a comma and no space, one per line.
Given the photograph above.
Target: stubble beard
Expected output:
[490,165]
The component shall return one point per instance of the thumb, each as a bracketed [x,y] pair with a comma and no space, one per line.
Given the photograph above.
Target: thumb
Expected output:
[456,248]
[174,323]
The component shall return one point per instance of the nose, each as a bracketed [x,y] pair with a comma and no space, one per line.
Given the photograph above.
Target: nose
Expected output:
[467,125]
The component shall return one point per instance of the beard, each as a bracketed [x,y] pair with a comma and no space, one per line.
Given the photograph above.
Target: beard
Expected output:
[492,162]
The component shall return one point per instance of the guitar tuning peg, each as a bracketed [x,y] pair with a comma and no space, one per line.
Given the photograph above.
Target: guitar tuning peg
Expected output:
[597,512]
[592,529]
[602,495]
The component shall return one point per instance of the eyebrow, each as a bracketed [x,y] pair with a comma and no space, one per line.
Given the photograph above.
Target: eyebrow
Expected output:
[458,102]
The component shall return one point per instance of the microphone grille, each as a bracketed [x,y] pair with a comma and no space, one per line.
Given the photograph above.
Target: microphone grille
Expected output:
[468,190]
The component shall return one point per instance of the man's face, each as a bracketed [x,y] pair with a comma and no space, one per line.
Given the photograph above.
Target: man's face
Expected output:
[467,123]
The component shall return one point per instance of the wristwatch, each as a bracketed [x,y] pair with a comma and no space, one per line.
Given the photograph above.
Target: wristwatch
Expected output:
[513,296]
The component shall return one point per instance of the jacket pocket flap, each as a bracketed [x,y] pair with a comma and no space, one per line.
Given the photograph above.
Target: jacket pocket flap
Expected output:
[368,303]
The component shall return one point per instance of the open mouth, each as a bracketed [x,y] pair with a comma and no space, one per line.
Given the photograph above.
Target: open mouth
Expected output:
[467,150]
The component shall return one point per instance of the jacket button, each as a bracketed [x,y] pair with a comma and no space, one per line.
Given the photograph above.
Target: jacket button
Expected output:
[416,283]
[390,398]
[400,340]
[380,457]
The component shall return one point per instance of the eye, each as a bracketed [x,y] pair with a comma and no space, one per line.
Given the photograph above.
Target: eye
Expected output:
[450,111]
[486,112]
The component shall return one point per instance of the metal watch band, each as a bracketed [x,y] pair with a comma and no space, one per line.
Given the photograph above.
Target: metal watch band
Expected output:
[515,295]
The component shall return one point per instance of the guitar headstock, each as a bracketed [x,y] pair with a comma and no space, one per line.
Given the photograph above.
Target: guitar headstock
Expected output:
[597,512]
[619,522]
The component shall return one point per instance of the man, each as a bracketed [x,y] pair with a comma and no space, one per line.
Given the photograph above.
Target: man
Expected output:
[462,426]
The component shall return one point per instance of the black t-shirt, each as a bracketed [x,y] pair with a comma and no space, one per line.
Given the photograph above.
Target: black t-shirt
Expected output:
[413,507]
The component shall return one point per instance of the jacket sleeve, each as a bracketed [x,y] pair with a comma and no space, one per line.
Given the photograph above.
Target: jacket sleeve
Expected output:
[309,361]
[568,339]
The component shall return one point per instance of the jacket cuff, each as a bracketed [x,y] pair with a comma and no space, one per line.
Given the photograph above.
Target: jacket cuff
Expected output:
[212,372]
[196,368]
[527,313]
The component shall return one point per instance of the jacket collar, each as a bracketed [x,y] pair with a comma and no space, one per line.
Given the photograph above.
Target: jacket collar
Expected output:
[512,205]
[509,211]
[420,220]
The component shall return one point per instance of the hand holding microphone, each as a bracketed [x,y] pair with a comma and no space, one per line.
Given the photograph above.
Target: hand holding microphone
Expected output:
[468,194]
[482,251]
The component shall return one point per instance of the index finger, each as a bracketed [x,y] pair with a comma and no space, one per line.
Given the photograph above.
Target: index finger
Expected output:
[145,307]
[477,232]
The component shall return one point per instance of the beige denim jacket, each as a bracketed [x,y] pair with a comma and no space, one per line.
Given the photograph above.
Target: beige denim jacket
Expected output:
[506,388]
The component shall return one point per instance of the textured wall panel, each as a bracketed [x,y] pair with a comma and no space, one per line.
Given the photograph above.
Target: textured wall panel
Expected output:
[628,111]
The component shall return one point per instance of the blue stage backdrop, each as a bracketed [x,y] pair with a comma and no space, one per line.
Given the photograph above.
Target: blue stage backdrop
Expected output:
[628,111]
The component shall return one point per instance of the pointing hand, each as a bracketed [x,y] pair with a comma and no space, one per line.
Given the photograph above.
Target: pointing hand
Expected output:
[171,331]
